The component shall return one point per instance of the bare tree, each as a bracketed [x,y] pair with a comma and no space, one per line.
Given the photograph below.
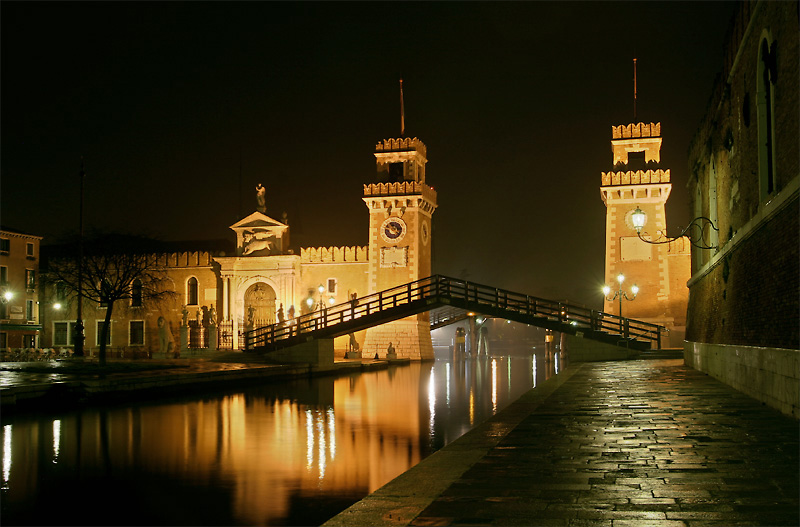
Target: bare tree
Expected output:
[115,267]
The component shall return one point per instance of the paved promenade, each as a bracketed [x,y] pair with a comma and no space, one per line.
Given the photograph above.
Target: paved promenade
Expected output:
[645,443]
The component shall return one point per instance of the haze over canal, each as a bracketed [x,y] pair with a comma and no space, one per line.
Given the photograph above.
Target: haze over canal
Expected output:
[293,453]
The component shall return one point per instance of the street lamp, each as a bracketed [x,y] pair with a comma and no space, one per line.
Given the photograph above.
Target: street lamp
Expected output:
[697,226]
[321,290]
[619,293]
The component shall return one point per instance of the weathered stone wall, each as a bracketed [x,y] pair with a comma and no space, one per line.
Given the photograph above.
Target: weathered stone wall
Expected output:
[744,299]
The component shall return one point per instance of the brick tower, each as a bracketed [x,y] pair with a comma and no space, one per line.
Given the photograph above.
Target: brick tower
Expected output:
[400,209]
[661,271]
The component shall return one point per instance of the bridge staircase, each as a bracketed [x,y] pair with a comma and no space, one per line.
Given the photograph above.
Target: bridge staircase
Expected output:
[449,300]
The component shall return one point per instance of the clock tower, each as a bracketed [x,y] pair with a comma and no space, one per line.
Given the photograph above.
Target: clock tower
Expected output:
[400,206]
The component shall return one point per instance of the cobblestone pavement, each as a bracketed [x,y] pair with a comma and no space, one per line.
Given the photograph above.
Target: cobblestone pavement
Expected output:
[645,443]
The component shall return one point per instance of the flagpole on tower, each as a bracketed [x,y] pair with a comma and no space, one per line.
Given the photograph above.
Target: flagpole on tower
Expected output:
[402,112]
[634,90]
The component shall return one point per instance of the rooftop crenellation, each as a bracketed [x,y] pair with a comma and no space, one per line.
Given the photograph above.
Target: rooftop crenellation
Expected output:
[626,131]
[403,143]
[638,177]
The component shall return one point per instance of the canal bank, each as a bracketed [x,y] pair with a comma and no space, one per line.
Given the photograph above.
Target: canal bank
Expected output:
[648,442]
[33,386]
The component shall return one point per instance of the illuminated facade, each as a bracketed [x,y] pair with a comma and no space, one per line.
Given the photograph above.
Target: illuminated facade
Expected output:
[19,289]
[400,208]
[744,315]
[659,270]
[266,281]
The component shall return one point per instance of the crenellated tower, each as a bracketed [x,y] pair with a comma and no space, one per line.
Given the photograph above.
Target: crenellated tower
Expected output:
[660,270]
[400,206]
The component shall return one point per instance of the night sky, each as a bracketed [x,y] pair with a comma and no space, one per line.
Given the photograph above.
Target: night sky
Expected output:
[180,109]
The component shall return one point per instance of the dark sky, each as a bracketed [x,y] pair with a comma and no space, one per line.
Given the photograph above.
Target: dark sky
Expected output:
[170,102]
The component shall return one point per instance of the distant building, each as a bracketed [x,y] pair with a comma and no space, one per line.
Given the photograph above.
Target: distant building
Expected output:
[263,279]
[19,289]
[743,317]
[638,180]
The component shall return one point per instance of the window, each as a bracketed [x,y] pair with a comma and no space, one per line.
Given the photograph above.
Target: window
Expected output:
[4,310]
[61,292]
[100,324]
[29,341]
[29,250]
[767,71]
[30,279]
[332,286]
[29,311]
[105,290]
[191,292]
[136,293]
[3,340]
[3,275]
[136,333]
[63,333]
[5,245]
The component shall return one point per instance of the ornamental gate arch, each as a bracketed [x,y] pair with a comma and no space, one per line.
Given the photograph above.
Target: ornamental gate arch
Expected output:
[259,305]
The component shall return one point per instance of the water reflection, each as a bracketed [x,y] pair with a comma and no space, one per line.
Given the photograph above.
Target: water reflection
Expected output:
[295,453]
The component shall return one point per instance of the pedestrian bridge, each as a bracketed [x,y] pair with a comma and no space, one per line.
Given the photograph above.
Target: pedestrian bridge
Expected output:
[448,300]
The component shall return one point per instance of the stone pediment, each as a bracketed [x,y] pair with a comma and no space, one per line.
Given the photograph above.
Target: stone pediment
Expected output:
[259,235]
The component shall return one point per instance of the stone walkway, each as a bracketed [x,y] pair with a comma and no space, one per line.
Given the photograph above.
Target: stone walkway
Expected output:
[645,443]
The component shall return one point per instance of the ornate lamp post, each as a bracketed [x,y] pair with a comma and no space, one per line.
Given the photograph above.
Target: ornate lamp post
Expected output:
[620,294]
[79,336]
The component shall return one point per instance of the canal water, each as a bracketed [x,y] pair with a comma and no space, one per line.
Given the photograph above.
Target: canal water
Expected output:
[293,453]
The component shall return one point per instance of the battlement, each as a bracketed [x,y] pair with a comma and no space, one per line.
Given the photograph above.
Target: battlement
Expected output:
[399,189]
[333,254]
[183,259]
[636,130]
[638,177]
[403,143]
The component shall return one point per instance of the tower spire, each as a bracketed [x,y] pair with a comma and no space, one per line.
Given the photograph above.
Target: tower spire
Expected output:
[402,112]
[634,90]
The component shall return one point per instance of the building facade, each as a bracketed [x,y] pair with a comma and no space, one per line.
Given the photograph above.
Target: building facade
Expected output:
[660,270]
[743,315]
[266,281]
[19,289]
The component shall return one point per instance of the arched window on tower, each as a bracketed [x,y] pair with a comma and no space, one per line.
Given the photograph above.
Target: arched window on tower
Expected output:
[191,292]
[766,78]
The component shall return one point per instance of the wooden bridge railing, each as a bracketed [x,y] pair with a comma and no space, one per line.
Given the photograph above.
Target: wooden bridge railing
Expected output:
[437,291]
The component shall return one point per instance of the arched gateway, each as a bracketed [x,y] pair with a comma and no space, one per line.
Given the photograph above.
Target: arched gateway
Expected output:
[259,305]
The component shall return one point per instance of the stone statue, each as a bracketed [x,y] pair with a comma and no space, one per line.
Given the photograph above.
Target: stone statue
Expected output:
[291,312]
[251,313]
[212,316]
[257,241]
[353,342]
[390,349]
[184,317]
[261,199]
[199,318]
[165,340]
[281,318]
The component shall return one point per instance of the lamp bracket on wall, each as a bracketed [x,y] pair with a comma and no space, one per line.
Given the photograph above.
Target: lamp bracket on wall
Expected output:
[696,232]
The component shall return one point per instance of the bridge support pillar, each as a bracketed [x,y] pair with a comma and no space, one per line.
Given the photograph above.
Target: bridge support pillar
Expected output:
[317,353]
[579,349]
[410,337]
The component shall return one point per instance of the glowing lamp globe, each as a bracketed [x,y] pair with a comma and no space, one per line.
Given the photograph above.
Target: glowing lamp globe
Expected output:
[606,290]
[638,218]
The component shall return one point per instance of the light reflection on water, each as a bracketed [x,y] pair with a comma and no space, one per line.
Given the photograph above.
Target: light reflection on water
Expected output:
[285,454]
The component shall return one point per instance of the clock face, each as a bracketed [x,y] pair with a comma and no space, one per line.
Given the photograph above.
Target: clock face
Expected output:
[425,233]
[392,230]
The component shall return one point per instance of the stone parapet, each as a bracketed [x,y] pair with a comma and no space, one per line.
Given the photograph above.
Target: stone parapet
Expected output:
[403,143]
[183,259]
[400,189]
[333,254]
[638,177]
[627,131]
